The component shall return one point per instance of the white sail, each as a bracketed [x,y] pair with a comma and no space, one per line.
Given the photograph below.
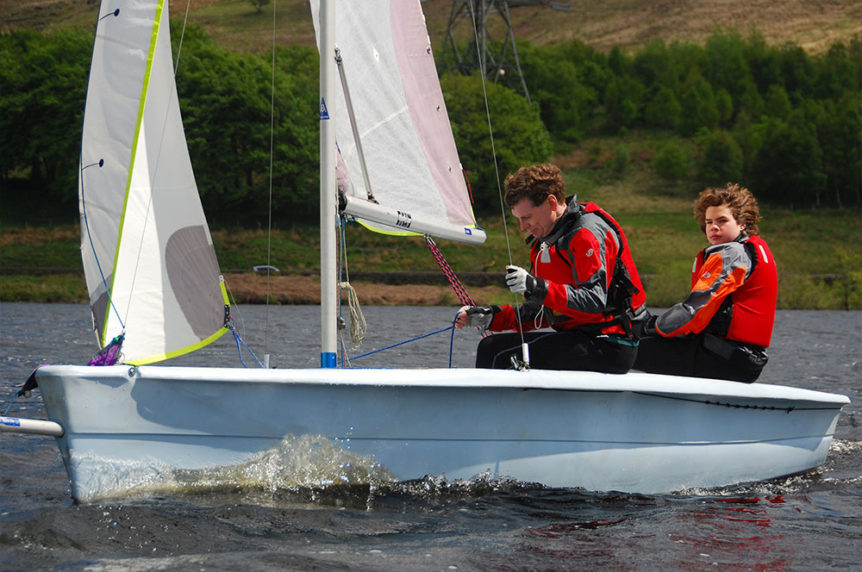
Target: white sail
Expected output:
[148,256]
[412,163]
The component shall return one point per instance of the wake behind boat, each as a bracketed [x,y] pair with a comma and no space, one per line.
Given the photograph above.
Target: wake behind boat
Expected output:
[156,293]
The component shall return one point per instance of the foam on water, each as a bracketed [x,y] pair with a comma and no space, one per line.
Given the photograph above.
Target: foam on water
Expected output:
[306,461]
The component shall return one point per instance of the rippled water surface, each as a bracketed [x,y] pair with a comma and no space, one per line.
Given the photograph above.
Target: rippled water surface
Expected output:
[807,522]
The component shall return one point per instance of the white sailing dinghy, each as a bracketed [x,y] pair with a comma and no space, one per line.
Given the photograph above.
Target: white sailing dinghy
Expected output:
[154,280]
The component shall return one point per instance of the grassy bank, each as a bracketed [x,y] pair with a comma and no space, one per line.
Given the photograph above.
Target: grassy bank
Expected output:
[820,265]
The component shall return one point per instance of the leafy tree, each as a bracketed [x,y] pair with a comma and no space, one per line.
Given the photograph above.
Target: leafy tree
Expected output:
[749,99]
[655,66]
[618,63]
[839,132]
[519,136]
[671,162]
[837,74]
[797,72]
[787,169]
[721,158]
[698,104]
[594,77]
[728,66]
[724,105]
[622,99]
[226,101]
[554,86]
[749,136]
[42,87]
[663,110]
[777,102]
[764,63]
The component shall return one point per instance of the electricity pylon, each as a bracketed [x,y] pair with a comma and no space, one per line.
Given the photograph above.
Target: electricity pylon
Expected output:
[497,59]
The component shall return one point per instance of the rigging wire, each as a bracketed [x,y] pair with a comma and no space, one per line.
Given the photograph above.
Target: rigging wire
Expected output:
[157,162]
[483,74]
[93,246]
[269,205]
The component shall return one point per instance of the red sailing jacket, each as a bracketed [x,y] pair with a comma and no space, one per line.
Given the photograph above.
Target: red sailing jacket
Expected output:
[589,272]
[734,288]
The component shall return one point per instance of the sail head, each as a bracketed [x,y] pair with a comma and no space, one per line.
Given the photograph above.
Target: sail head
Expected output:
[415,175]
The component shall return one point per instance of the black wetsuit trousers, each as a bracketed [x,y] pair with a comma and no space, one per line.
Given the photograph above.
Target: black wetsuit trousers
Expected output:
[557,350]
[702,355]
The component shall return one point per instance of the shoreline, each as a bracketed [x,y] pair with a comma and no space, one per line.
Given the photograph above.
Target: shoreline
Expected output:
[305,290]
[407,289]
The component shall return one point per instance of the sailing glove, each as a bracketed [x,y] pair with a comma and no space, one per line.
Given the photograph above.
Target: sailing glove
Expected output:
[645,328]
[520,281]
[479,316]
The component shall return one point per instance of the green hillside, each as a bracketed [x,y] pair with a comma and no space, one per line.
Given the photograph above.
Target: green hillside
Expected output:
[646,176]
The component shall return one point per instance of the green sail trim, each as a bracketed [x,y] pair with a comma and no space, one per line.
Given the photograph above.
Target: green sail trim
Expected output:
[194,347]
[143,104]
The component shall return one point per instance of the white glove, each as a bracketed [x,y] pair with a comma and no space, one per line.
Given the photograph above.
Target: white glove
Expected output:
[519,280]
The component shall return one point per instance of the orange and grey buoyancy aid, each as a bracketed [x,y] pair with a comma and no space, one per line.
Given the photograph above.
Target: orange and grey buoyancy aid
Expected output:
[748,313]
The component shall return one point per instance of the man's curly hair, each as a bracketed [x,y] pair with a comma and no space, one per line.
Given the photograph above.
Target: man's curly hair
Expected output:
[535,182]
[739,200]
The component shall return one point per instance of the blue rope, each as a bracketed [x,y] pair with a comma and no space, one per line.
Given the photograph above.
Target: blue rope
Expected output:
[452,327]
[9,405]
[452,339]
[240,341]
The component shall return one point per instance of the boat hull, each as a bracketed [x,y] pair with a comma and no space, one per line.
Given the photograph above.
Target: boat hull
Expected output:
[637,433]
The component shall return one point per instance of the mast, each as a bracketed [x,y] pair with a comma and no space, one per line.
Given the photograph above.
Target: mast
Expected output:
[328,292]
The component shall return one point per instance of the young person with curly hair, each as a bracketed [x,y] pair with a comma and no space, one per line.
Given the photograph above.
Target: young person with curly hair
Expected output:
[722,329]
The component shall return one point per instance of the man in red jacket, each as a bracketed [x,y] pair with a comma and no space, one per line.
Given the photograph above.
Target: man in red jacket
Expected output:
[581,292]
[723,327]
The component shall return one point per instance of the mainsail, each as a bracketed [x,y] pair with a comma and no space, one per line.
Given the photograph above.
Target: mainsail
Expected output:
[148,256]
[412,163]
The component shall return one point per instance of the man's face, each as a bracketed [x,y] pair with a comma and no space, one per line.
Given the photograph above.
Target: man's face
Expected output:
[536,220]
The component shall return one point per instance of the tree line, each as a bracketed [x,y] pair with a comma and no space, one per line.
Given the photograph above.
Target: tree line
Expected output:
[785,123]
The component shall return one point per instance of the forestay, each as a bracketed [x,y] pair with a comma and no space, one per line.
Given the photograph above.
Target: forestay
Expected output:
[406,138]
[148,257]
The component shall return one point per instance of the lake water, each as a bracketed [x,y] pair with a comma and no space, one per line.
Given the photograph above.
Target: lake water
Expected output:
[807,522]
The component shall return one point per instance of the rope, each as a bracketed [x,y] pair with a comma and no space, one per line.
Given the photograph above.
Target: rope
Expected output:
[372,352]
[358,327]
[240,343]
[9,405]
[452,340]
[460,291]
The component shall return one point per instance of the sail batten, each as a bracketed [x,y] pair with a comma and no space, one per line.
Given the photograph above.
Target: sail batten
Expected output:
[146,237]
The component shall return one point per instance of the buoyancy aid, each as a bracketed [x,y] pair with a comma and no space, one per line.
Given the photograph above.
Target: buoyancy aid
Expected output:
[748,314]
[625,296]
